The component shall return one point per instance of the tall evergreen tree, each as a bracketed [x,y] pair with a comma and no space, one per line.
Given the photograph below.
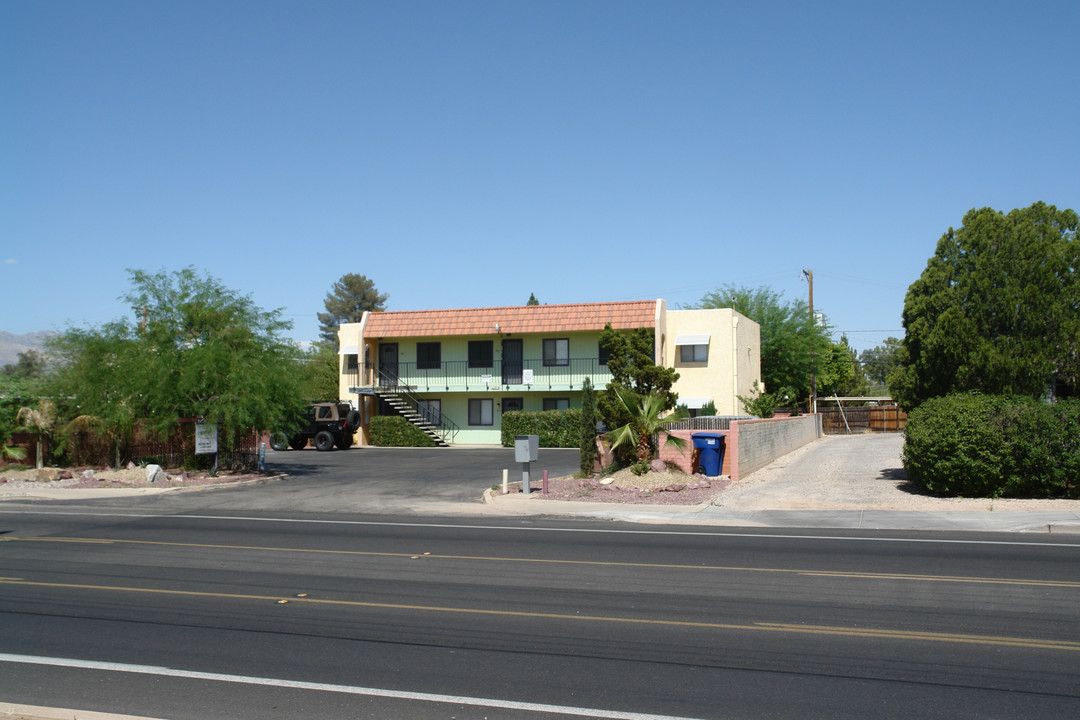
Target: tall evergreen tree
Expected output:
[588,427]
[346,302]
[997,309]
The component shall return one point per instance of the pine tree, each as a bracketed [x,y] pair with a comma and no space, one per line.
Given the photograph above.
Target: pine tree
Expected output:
[346,302]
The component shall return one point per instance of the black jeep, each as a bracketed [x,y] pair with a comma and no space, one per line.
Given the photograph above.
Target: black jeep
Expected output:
[328,423]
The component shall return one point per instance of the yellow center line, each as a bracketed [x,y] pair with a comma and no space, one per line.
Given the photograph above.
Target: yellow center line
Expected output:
[594,563]
[839,631]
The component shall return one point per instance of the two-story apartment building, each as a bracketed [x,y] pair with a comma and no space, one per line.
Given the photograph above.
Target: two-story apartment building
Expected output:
[460,370]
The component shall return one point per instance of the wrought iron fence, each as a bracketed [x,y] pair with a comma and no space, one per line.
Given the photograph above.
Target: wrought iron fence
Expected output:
[456,375]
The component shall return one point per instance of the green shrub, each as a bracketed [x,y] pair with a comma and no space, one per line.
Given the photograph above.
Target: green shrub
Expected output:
[556,428]
[587,440]
[974,445]
[396,431]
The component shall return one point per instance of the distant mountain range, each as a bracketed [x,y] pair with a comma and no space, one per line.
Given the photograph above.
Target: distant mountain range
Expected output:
[11,345]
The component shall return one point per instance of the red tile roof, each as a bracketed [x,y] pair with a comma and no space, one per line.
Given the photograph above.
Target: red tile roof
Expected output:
[515,320]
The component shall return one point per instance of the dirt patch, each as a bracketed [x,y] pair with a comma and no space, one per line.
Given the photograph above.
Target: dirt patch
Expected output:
[89,478]
[666,487]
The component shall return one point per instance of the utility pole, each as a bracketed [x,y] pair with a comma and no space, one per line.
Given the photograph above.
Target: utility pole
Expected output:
[809,275]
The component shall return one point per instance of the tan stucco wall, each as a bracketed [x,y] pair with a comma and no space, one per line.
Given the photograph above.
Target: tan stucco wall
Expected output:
[734,362]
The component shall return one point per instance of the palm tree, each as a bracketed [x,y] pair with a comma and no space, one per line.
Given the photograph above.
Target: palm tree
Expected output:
[9,452]
[645,425]
[42,420]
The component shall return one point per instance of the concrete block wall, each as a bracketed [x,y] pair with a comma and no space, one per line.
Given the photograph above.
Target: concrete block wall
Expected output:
[759,442]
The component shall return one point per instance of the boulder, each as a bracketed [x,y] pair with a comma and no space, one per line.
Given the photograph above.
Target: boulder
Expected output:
[47,474]
[155,473]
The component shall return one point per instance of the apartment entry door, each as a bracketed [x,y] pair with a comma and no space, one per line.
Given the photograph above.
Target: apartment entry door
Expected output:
[512,362]
[388,365]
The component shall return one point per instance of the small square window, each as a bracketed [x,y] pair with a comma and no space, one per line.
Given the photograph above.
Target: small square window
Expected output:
[556,351]
[428,356]
[481,411]
[481,354]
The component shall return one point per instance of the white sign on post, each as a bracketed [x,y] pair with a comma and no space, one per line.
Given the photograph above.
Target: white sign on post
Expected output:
[527,376]
[205,438]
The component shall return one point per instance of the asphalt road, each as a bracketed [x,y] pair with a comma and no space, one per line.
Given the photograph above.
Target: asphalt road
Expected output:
[187,615]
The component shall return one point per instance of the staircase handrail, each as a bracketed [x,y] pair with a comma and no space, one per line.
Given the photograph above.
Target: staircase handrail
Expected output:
[446,427]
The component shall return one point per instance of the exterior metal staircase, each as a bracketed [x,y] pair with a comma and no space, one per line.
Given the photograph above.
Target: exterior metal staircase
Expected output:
[405,404]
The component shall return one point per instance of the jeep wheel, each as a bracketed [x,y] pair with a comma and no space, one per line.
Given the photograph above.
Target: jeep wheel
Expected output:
[298,443]
[279,441]
[324,440]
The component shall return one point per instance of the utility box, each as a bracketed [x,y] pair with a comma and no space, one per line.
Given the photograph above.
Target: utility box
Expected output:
[526,448]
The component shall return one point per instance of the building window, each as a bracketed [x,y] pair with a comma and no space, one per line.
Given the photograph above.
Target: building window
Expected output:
[430,410]
[481,411]
[694,353]
[556,403]
[428,356]
[351,364]
[556,351]
[604,354]
[481,354]
[512,404]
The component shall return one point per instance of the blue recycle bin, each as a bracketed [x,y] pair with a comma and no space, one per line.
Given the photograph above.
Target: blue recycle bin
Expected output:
[711,458]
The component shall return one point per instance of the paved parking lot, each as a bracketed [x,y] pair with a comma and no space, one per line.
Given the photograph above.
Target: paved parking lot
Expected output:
[393,480]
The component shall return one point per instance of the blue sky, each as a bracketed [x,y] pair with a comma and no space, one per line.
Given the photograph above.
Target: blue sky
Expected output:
[467,154]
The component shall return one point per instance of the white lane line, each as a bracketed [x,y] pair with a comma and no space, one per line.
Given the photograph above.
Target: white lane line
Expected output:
[327,687]
[595,531]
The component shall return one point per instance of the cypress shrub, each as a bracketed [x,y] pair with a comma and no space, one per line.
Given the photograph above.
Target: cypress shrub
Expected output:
[587,444]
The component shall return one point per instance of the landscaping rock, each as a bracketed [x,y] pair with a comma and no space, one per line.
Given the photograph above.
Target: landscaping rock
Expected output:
[155,473]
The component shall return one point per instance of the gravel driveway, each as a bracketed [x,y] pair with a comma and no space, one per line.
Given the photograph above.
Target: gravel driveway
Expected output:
[853,472]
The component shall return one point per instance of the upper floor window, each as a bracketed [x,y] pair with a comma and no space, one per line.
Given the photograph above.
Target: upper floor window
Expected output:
[556,351]
[481,354]
[694,353]
[428,356]
[604,354]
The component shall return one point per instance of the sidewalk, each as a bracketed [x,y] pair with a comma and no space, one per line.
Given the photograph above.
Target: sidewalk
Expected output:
[1044,521]
[840,482]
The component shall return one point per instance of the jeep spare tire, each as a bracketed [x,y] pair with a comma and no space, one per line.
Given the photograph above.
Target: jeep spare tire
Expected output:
[352,421]
[324,440]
